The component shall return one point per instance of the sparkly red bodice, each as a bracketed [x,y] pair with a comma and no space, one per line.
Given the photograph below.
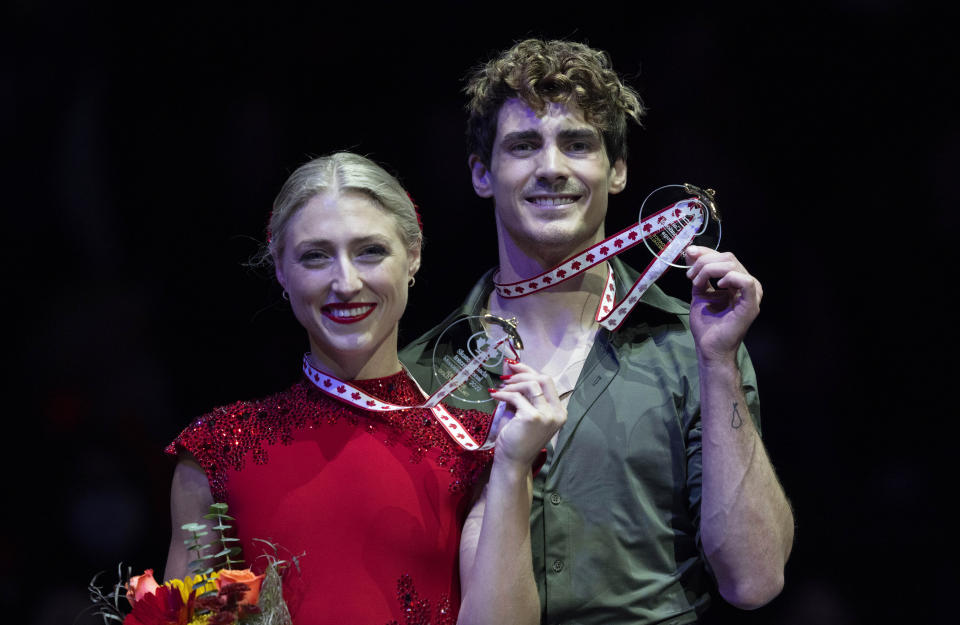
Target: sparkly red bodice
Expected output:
[376,501]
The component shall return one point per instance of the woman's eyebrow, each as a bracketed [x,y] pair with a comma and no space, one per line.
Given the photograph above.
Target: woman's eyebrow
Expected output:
[321,242]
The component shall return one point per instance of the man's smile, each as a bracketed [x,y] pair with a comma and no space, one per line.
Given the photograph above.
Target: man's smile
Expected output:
[549,200]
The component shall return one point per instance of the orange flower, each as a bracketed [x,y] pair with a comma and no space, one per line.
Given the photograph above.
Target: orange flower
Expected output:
[140,585]
[243,576]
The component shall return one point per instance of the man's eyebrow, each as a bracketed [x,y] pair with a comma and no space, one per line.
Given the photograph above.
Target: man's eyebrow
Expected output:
[521,135]
[579,133]
[572,134]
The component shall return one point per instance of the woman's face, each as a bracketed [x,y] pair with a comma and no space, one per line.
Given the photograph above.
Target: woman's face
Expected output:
[346,269]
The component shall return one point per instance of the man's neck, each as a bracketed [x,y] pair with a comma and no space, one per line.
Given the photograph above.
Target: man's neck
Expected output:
[557,322]
[520,260]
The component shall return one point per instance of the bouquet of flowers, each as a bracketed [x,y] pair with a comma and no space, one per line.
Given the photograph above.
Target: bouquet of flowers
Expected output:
[219,592]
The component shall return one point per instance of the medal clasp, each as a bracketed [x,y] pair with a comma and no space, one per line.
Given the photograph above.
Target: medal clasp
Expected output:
[707,196]
[509,326]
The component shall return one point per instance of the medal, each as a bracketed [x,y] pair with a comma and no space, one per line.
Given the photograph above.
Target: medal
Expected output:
[666,233]
[502,334]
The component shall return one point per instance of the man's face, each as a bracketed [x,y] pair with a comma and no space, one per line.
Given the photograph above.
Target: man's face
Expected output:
[549,177]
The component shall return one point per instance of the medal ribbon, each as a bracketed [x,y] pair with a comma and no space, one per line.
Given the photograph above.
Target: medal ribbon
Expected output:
[681,220]
[348,393]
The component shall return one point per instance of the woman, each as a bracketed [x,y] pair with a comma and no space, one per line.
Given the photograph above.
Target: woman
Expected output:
[378,501]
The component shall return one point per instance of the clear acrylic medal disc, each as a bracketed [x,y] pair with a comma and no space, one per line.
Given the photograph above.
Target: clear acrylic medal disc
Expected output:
[687,196]
[473,340]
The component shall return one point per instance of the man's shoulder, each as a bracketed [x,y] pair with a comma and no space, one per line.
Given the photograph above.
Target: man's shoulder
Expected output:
[417,355]
[417,350]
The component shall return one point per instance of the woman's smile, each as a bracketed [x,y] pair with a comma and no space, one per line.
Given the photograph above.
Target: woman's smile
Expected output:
[347,312]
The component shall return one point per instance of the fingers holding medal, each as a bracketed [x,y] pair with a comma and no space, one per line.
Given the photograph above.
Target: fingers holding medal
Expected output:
[531,414]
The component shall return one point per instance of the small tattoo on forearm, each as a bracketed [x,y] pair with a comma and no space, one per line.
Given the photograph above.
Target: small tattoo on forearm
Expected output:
[736,420]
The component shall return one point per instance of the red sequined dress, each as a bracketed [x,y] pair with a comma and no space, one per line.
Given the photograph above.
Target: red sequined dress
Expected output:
[375,500]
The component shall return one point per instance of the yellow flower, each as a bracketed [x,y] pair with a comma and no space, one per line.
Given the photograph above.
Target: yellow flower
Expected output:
[193,582]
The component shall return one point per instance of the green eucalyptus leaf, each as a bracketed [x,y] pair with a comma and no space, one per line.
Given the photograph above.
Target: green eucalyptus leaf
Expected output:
[193,527]
[207,572]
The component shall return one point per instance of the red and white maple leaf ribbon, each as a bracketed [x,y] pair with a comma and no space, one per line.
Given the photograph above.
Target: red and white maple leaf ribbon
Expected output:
[348,393]
[681,220]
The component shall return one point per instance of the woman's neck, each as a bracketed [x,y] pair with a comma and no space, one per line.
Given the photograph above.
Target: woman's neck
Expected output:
[379,363]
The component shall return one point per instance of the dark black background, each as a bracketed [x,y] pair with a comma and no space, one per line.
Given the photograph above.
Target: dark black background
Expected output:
[144,144]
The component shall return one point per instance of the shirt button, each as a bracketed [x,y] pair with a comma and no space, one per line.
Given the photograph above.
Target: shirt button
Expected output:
[555,498]
[557,566]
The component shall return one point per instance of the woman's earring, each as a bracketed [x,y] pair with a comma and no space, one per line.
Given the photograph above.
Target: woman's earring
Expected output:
[285,296]
[411,282]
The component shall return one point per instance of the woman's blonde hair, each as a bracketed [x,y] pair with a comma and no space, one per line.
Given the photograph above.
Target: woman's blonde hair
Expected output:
[341,172]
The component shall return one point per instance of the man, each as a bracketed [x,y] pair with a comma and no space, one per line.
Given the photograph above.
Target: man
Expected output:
[659,479]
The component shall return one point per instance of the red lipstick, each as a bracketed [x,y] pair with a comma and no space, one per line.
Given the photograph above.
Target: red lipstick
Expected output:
[347,312]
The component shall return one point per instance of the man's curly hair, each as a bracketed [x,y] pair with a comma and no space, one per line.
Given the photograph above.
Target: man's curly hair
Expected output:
[539,72]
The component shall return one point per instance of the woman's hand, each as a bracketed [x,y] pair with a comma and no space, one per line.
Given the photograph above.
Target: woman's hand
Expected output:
[531,415]
[496,571]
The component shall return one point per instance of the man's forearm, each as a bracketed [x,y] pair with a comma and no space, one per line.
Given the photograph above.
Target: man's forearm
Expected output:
[746,521]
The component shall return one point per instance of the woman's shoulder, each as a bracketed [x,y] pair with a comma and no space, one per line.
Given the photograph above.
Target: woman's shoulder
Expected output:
[224,422]
[220,439]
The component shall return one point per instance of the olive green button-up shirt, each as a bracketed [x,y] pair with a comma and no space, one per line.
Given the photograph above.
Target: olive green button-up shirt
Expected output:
[616,507]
